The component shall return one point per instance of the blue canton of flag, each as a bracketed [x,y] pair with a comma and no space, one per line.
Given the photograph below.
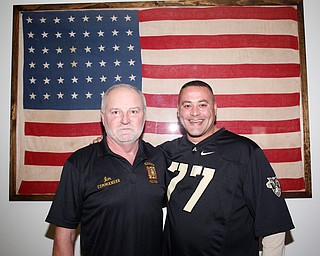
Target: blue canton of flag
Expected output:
[72,57]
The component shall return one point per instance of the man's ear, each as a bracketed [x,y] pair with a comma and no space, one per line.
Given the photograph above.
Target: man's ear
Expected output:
[215,113]
[102,117]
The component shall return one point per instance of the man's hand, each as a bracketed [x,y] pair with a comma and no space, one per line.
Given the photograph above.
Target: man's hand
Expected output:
[98,139]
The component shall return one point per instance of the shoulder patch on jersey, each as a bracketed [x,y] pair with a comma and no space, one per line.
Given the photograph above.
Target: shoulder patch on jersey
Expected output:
[274,184]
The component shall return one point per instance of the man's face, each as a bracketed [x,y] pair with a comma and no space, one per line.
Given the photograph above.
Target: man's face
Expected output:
[124,116]
[197,112]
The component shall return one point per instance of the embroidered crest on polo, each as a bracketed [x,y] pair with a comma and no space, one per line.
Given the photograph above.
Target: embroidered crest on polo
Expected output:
[152,172]
[274,184]
[203,153]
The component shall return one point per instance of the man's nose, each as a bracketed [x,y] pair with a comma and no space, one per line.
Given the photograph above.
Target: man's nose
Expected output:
[194,111]
[125,118]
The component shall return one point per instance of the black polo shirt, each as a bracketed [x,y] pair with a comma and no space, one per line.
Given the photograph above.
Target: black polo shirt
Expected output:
[119,205]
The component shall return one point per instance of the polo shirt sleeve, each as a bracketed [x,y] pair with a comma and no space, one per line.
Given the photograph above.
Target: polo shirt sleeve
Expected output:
[264,198]
[66,208]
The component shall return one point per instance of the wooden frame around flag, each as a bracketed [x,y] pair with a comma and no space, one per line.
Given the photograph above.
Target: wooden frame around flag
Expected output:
[286,146]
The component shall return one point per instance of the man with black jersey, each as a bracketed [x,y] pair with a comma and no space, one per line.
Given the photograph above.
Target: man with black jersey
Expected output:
[114,188]
[222,192]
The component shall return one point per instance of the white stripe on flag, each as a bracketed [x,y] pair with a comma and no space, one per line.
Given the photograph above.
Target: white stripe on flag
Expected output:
[218,27]
[220,56]
[227,86]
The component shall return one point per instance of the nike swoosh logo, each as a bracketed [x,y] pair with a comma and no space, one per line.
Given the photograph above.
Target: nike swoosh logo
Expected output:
[206,153]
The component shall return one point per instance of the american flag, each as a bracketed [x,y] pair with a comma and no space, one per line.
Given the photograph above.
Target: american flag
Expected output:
[249,54]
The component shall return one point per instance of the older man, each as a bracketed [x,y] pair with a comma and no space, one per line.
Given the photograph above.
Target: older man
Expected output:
[114,189]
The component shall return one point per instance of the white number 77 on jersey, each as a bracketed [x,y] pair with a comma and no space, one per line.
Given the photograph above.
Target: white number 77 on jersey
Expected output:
[182,168]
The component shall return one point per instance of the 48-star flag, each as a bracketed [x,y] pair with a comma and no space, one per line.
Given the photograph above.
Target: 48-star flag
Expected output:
[249,54]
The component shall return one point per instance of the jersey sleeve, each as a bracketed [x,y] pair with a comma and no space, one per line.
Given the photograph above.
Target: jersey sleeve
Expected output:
[263,194]
[66,207]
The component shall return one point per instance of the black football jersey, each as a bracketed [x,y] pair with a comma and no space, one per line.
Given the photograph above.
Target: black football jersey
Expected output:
[220,200]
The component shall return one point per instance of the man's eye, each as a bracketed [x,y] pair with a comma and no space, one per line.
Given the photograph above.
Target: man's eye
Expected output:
[203,105]
[187,106]
[115,112]
[134,112]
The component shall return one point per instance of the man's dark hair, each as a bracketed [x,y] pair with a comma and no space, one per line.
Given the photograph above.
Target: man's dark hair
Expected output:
[196,83]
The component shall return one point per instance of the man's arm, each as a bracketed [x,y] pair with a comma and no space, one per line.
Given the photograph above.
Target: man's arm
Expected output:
[273,245]
[64,240]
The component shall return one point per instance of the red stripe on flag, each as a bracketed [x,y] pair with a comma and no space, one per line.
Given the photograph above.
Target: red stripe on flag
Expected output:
[258,100]
[243,127]
[290,184]
[219,12]
[46,158]
[161,100]
[221,71]
[218,41]
[261,127]
[283,155]
[231,101]
[62,130]
[38,187]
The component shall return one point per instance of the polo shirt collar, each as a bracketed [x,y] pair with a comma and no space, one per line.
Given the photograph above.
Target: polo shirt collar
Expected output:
[104,150]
